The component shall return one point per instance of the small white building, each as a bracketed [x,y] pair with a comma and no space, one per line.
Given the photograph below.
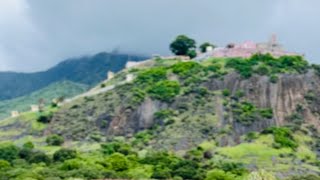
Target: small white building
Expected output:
[15,113]
[129,77]
[110,75]
[35,108]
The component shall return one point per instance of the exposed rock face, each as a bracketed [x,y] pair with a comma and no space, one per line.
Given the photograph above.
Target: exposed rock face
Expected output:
[282,97]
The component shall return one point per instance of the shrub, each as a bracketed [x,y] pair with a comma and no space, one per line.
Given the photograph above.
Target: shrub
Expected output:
[192,54]
[186,69]
[242,66]
[252,136]
[116,147]
[266,113]
[64,154]
[219,175]
[118,162]
[28,145]
[4,164]
[282,136]
[38,157]
[165,90]
[45,117]
[151,76]
[226,92]
[263,70]
[274,78]
[161,172]
[8,152]
[55,140]
[164,114]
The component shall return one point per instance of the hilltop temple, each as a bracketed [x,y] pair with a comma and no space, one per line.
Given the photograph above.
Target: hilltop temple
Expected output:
[247,49]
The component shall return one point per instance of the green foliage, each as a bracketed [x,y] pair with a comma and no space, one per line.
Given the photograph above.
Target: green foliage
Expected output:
[64,88]
[4,164]
[55,140]
[116,147]
[165,90]
[192,54]
[28,145]
[274,78]
[266,64]
[203,47]
[186,69]
[45,117]
[226,92]
[263,70]
[219,175]
[64,154]
[8,152]
[164,114]
[152,75]
[246,113]
[39,157]
[119,162]
[182,45]
[282,136]
[305,177]
[252,136]
[243,66]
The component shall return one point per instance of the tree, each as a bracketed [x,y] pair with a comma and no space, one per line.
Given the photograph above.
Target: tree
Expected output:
[64,154]
[183,45]
[55,140]
[204,46]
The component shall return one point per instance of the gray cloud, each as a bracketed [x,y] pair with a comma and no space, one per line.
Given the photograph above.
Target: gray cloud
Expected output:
[36,34]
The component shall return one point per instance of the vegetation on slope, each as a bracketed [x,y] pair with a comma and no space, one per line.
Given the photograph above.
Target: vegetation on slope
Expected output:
[64,89]
[88,70]
[188,138]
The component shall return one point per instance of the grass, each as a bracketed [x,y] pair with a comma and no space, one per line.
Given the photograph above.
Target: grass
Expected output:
[64,88]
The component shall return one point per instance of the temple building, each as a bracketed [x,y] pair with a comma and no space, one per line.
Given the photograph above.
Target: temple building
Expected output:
[249,48]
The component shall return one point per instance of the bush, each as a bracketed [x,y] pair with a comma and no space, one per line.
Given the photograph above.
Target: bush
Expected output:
[116,147]
[192,54]
[64,154]
[8,152]
[39,157]
[262,70]
[266,113]
[282,136]
[226,92]
[151,76]
[274,78]
[28,145]
[118,162]
[252,136]
[186,69]
[219,175]
[55,140]
[165,90]
[4,164]
[45,117]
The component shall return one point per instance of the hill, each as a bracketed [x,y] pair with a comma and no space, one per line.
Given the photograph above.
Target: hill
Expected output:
[65,89]
[221,118]
[87,70]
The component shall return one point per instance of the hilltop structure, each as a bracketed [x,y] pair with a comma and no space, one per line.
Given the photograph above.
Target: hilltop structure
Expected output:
[249,48]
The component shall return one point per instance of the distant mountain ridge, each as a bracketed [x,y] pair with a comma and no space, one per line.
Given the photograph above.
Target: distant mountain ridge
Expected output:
[87,70]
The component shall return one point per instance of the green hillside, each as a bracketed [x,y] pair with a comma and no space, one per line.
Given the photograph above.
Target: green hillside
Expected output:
[218,119]
[55,90]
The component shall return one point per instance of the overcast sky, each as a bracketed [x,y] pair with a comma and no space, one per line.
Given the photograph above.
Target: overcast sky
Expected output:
[37,34]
